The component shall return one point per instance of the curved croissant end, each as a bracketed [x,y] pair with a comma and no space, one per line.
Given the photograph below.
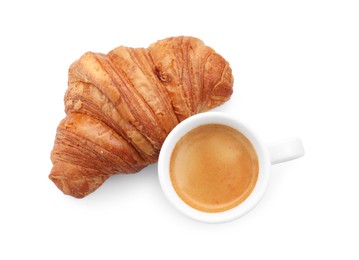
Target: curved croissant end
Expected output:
[121,106]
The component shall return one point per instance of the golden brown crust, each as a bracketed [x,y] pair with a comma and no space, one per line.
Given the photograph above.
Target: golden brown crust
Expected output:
[121,106]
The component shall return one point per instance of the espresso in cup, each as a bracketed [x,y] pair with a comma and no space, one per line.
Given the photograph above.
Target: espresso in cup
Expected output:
[213,168]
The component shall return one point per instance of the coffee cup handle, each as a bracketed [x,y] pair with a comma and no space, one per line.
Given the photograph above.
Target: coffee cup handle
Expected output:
[286,150]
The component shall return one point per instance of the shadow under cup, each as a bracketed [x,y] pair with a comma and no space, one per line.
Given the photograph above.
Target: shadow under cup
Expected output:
[169,189]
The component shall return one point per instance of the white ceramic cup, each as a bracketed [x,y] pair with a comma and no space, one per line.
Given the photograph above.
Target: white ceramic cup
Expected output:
[268,154]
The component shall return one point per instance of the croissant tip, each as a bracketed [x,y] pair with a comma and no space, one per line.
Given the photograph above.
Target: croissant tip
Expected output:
[64,186]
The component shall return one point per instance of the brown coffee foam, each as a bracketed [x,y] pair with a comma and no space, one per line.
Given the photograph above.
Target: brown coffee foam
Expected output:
[214,168]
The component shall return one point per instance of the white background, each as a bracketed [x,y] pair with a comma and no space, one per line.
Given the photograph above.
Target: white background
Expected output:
[296,69]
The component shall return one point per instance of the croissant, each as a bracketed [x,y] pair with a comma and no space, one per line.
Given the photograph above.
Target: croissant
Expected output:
[121,106]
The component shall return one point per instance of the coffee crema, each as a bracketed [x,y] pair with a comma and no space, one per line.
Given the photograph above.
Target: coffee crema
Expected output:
[213,168]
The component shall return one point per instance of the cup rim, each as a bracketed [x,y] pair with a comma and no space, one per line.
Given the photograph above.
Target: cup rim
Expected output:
[213,118]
